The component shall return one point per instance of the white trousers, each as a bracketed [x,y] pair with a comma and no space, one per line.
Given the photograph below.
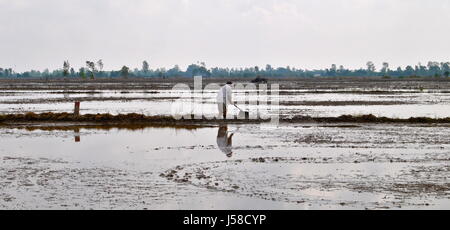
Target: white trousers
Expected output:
[222,109]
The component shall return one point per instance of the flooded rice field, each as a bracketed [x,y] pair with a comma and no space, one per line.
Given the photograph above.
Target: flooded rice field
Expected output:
[328,99]
[220,165]
[307,166]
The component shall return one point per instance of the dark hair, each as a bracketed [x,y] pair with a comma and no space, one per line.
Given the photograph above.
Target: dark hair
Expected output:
[229,83]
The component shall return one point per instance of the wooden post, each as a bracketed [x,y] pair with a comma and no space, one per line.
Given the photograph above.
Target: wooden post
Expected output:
[76,110]
[77,134]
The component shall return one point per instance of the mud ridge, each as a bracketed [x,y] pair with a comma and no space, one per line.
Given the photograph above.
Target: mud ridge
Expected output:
[135,118]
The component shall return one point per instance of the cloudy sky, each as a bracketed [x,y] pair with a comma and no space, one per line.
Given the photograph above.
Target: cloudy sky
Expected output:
[38,34]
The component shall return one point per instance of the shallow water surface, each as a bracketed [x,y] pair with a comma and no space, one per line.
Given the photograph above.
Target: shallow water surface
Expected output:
[308,166]
[391,103]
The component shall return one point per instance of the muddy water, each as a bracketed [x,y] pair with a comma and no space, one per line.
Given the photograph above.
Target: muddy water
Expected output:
[308,166]
[390,103]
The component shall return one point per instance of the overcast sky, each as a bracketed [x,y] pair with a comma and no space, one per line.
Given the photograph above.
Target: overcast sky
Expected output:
[38,34]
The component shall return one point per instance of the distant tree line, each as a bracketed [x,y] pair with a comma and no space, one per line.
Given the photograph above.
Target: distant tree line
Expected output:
[94,69]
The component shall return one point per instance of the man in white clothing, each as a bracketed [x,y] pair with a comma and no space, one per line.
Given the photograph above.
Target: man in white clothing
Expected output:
[224,97]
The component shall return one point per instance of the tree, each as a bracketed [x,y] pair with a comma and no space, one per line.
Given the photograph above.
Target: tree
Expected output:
[124,72]
[196,70]
[46,74]
[145,67]
[446,73]
[409,70]
[72,72]
[370,67]
[421,70]
[100,65]
[434,68]
[82,73]
[174,72]
[269,70]
[333,70]
[91,68]
[385,68]
[8,72]
[445,66]
[66,67]
[95,70]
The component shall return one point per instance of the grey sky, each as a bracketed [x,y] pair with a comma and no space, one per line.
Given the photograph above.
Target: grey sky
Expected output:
[38,34]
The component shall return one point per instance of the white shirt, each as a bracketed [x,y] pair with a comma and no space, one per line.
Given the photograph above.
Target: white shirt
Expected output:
[224,94]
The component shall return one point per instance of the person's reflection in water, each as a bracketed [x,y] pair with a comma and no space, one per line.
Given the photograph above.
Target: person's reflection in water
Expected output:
[224,142]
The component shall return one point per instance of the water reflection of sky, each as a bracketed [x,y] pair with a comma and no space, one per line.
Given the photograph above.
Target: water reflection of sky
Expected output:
[416,104]
[158,149]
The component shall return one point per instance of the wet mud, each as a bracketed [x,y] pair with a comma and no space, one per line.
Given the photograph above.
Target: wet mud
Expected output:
[315,158]
[271,179]
[304,166]
[141,118]
[28,183]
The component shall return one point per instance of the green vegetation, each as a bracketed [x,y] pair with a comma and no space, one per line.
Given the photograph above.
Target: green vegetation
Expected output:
[66,67]
[124,72]
[95,70]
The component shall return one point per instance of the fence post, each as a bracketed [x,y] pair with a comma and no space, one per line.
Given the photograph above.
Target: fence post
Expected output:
[76,110]
[77,134]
